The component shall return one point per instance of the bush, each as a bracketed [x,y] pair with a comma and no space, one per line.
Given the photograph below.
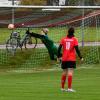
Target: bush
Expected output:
[33,2]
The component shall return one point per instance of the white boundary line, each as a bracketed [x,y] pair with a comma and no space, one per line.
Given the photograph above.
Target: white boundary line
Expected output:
[58,68]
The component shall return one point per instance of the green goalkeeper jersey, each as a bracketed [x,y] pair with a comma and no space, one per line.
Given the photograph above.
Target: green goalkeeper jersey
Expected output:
[50,45]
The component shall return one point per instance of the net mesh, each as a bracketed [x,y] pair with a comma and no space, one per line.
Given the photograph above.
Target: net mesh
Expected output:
[86,25]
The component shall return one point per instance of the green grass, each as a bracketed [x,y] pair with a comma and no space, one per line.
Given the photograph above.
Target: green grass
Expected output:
[26,77]
[26,58]
[57,33]
[46,85]
[17,82]
[39,57]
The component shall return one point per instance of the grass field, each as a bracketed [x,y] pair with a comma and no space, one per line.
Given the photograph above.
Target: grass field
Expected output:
[56,34]
[30,75]
[45,85]
[39,57]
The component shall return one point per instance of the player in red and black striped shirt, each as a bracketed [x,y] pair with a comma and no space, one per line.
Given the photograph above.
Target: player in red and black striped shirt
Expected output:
[69,44]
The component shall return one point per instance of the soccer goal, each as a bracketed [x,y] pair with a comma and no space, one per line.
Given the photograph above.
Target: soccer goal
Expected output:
[85,20]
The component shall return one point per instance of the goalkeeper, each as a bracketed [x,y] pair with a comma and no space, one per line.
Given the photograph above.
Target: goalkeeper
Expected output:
[50,45]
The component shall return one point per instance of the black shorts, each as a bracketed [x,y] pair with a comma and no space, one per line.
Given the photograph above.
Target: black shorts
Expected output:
[68,64]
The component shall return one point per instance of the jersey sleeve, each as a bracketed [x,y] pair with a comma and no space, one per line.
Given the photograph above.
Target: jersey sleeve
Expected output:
[75,42]
[61,42]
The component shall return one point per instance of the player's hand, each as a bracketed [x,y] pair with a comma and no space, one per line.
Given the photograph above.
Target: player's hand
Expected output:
[27,32]
[59,59]
[82,59]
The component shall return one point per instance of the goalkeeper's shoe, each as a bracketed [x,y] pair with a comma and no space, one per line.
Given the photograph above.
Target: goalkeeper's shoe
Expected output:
[70,90]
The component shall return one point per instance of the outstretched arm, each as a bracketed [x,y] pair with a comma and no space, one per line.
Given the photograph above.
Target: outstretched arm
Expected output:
[35,35]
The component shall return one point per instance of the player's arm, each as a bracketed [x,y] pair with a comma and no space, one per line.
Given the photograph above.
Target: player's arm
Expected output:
[35,34]
[78,52]
[59,51]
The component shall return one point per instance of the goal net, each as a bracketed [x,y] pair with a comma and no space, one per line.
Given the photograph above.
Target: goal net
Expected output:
[85,21]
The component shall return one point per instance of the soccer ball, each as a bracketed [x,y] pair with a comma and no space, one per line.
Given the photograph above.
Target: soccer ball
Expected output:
[11,26]
[22,24]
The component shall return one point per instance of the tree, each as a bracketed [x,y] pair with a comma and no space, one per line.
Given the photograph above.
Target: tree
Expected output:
[74,2]
[33,2]
[67,2]
[97,2]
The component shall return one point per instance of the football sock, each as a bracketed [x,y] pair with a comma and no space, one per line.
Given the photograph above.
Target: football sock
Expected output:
[63,80]
[69,81]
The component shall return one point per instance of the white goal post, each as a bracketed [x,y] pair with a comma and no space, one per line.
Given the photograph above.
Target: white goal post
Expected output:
[51,7]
